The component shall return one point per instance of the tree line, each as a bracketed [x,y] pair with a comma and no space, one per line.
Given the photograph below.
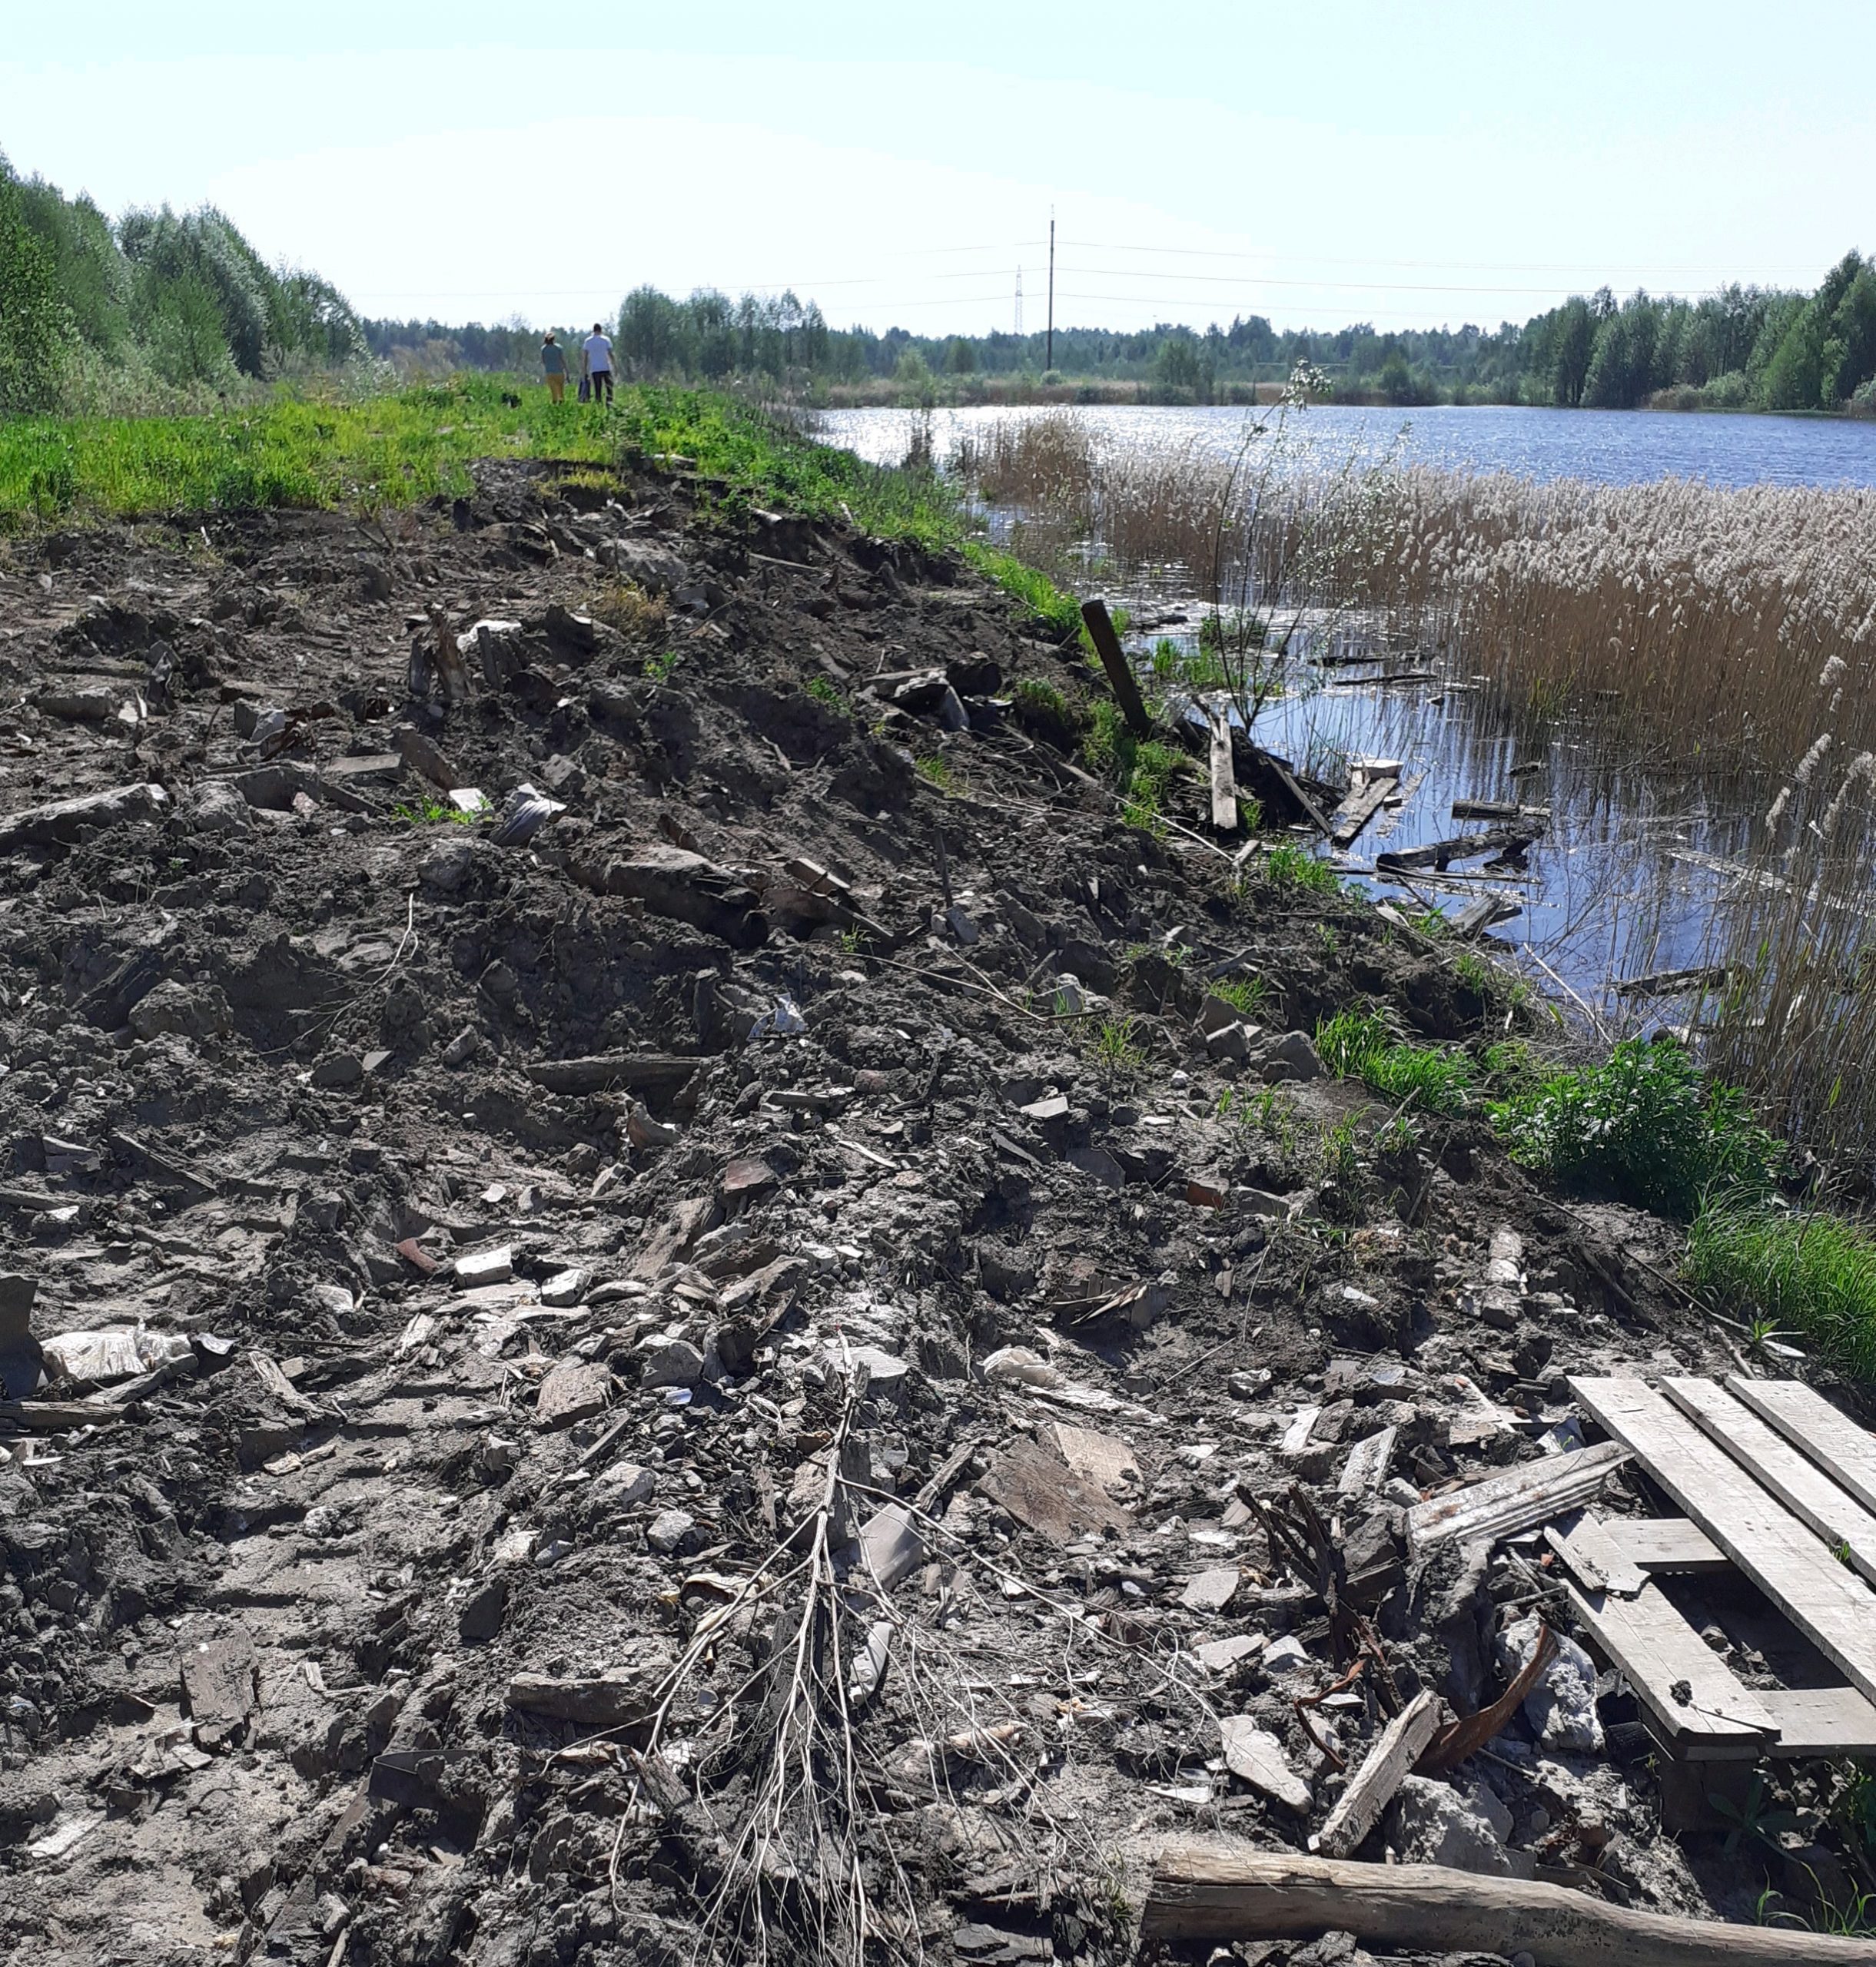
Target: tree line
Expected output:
[154,311]
[158,310]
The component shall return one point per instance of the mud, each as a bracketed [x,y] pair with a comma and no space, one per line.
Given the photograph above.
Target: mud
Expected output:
[352,1632]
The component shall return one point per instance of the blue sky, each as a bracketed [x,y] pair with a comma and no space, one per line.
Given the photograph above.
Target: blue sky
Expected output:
[1405,164]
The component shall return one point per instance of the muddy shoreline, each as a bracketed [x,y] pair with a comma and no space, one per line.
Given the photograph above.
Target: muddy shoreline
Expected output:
[547,1249]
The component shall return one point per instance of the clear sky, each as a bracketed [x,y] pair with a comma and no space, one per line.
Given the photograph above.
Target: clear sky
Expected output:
[1319,162]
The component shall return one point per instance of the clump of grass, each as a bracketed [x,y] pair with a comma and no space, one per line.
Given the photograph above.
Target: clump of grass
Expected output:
[1360,1045]
[1116,1046]
[1139,769]
[1290,866]
[1250,996]
[935,770]
[1038,594]
[1341,1157]
[1042,709]
[661,667]
[1646,1124]
[1809,1273]
[822,690]
[626,606]
[431,812]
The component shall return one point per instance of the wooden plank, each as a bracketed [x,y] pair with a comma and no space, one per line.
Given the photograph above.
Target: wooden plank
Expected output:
[1225,1891]
[1775,1464]
[1223,779]
[1484,913]
[1371,1789]
[1120,672]
[1462,847]
[1595,1555]
[1659,1651]
[1519,1499]
[1354,813]
[1828,1603]
[1366,1466]
[1499,809]
[1671,982]
[1810,1721]
[1670,1544]
[1812,1424]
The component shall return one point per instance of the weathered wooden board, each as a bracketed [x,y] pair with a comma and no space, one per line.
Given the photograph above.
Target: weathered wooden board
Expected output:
[1354,813]
[1669,1544]
[1810,1494]
[1814,1426]
[1594,1553]
[1502,1505]
[1371,1789]
[1659,1652]
[1829,1604]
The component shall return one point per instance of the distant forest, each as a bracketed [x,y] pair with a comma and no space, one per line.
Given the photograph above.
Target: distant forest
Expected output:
[1743,348]
[161,311]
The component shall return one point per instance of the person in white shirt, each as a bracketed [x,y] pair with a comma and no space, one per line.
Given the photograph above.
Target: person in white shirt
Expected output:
[597,349]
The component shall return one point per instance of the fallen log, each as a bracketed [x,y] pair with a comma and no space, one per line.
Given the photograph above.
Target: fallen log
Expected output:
[1223,1892]
[656,1075]
[1671,982]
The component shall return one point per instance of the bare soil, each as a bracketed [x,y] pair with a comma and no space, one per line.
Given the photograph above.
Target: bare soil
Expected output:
[268,1624]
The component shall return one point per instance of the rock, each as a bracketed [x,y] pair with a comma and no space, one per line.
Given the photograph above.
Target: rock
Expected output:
[1292,1056]
[476,1268]
[448,867]
[573,1390]
[625,1484]
[671,1530]
[1231,1041]
[669,1362]
[483,1610]
[214,806]
[463,1047]
[21,1358]
[1430,1823]
[1562,1707]
[565,1288]
[1211,1591]
[336,1071]
[1220,1655]
[1483,1801]
[191,1010]
[65,822]
[602,1700]
[1255,1756]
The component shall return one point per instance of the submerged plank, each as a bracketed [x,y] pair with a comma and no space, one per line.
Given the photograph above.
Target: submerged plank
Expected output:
[1810,1422]
[1354,813]
[1772,1460]
[1829,1604]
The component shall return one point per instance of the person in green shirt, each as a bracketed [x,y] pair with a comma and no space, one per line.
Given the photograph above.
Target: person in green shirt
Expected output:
[553,365]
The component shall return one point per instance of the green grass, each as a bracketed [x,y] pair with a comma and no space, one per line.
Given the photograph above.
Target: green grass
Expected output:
[1359,1045]
[1250,996]
[1116,1046]
[1647,1126]
[1140,769]
[1288,865]
[1810,1275]
[935,770]
[1039,595]
[432,812]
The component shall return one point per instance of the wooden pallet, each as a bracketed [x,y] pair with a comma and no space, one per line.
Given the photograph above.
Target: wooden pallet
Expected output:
[1776,1485]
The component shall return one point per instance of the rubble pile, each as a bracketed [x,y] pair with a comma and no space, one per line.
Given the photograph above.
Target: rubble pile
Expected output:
[655,1311]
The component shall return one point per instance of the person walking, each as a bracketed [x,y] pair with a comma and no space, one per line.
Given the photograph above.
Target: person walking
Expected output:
[553,367]
[597,349]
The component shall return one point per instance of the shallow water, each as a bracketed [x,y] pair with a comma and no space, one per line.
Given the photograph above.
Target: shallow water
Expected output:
[1607,446]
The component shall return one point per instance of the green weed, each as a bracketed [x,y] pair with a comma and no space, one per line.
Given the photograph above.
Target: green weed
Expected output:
[660,667]
[1116,1046]
[935,770]
[1140,769]
[1341,1158]
[1038,595]
[1250,996]
[822,690]
[431,812]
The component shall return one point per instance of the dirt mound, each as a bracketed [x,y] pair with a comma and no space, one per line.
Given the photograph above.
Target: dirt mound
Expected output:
[721,1337]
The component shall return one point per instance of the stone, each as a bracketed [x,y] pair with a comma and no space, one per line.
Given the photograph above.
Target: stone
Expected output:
[1431,1823]
[214,806]
[338,1071]
[1483,1801]
[1230,1041]
[565,1288]
[671,1530]
[596,1700]
[1292,1056]
[1285,1655]
[476,1268]
[483,1610]
[669,1362]
[1211,1591]
[1255,1756]
[573,1390]
[1562,1707]
[448,868]
[626,1485]
[190,1010]
[1220,1656]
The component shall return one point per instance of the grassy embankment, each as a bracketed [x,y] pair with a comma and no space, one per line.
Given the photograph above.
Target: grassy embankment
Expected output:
[1646,1124]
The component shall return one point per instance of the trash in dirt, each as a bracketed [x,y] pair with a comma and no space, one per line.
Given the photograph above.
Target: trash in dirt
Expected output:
[116,1352]
[524,815]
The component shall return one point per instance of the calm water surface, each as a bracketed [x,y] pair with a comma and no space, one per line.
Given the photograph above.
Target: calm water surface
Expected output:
[1609,446]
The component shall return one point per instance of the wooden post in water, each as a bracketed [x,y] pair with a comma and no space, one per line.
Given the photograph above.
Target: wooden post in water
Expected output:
[1114,660]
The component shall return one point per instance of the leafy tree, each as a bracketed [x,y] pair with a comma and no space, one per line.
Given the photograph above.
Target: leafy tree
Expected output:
[35,329]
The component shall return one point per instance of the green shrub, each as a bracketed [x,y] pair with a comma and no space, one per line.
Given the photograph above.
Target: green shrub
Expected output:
[1647,1126]
[1809,1273]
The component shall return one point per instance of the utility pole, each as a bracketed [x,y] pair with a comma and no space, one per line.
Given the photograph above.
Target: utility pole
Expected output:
[1019,303]
[1048,361]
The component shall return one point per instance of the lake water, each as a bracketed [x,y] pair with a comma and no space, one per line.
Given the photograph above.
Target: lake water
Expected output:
[1607,446]
[1633,867]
